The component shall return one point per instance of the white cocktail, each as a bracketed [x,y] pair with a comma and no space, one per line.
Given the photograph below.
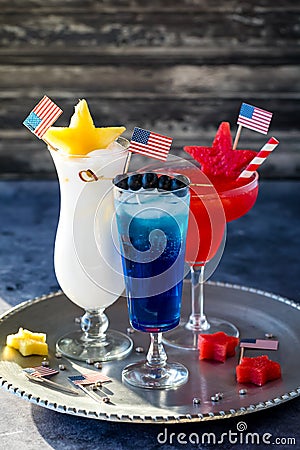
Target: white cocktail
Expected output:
[88,266]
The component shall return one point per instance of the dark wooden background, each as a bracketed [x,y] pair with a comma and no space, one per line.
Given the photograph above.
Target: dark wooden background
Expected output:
[176,67]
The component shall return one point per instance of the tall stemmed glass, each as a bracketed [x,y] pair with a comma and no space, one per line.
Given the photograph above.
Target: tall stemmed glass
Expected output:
[85,193]
[152,227]
[237,198]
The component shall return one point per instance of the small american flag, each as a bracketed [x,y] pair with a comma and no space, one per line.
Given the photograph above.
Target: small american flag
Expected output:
[41,371]
[254,118]
[260,344]
[45,113]
[150,144]
[89,378]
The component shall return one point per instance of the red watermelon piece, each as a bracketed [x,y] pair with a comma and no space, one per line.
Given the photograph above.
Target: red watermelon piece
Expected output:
[218,346]
[257,370]
[220,159]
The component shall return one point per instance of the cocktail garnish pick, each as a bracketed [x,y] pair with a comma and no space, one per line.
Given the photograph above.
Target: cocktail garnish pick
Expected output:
[43,115]
[257,344]
[259,158]
[41,371]
[89,378]
[149,144]
[49,383]
[254,118]
[85,380]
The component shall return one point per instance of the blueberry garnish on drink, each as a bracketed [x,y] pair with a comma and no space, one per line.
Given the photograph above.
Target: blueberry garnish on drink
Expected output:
[150,181]
[121,181]
[135,181]
[164,183]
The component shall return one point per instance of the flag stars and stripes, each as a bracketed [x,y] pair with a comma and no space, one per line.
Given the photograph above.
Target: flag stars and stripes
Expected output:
[259,344]
[150,144]
[254,118]
[86,379]
[43,115]
[41,371]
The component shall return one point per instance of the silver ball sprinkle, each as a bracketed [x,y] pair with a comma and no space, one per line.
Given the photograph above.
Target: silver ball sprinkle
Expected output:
[62,367]
[214,398]
[196,401]
[130,330]
[58,355]
[94,387]
[90,361]
[77,320]
[243,391]
[98,365]
[220,395]
[139,350]
[269,335]
[45,363]
[106,399]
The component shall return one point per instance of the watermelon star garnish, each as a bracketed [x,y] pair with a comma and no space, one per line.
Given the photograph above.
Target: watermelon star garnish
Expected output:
[220,159]
[257,370]
[217,346]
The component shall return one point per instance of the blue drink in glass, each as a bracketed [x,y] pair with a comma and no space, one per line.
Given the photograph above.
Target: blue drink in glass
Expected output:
[152,226]
[157,232]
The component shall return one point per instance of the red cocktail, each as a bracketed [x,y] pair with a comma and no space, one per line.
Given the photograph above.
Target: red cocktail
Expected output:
[237,196]
[207,224]
[206,220]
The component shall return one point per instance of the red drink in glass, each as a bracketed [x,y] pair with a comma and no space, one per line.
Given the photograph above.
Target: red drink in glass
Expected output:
[205,233]
[205,221]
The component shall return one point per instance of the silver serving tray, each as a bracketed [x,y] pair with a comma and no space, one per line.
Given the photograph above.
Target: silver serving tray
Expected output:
[255,312]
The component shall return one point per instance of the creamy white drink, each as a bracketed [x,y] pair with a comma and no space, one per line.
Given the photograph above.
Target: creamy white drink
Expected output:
[87,263]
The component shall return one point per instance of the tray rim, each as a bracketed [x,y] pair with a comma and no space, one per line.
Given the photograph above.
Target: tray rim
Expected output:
[177,418]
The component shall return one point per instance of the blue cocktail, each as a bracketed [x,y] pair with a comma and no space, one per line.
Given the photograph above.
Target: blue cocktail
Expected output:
[152,223]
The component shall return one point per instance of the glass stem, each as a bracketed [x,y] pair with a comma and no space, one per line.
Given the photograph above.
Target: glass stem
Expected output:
[94,324]
[197,320]
[156,356]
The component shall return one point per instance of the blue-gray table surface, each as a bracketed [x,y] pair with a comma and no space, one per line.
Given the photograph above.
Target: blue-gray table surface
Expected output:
[262,251]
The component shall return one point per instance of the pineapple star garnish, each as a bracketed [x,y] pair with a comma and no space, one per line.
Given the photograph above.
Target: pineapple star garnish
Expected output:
[81,137]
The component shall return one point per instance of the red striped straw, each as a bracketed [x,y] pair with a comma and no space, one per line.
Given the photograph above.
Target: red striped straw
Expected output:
[259,158]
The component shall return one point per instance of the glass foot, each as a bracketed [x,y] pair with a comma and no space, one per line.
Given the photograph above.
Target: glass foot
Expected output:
[75,346]
[170,376]
[185,338]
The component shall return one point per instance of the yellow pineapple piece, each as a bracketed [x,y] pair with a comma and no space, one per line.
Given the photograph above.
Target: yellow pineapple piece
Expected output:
[26,334]
[13,340]
[25,339]
[31,347]
[81,137]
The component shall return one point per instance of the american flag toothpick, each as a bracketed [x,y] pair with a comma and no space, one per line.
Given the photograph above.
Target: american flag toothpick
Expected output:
[86,379]
[41,374]
[43,115]
[40,371]
[149,144]
[254,118]
[257,344]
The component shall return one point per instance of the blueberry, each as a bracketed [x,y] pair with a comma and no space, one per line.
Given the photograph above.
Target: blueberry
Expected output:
[149,180]
[164,183]
[121,181]
[135,181]
[179,182]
